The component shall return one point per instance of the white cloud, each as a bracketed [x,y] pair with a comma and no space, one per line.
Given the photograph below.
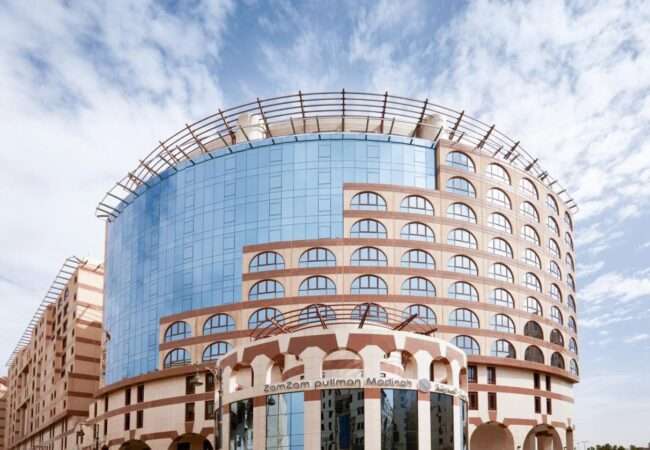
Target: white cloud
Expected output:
[637,338]
[616,288]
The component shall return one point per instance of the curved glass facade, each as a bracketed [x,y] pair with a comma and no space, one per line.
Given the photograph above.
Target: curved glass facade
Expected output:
[178,245]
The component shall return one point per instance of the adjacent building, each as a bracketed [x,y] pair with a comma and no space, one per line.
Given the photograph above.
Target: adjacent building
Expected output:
[3,411]
[55,370]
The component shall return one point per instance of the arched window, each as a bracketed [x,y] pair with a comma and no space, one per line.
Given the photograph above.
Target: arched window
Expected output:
[532,282]
[177,357]
[556,315]
[498,198]
[557,338]
[553,248]
[529,234]
[460,211]
[368,201]
[531,258]
[416,231]
[502,323]
[460,161]
[555,293]
[416,204]
[571,302]
[461,238]
[418,286]
[552,225]
[571,282]
[178,331]
[213,351]
[497,172]
[266,289]
[555,270]
[461,290]
[557,360]
[219,323]
[528,188]
[501,297]
[266,261]
[369,285]
[501,247]
[534,354]
[499,222]
[265,317]
[501,272]
[534,330]
[568,221]
[375,313]
[418,259]
[503,349]
[533,306]
[317,285]
[570,264]
[424,314]
[573,346]
[552,204]
[467,344]
[462,264]
[368,256]
[461,186]
[573,368]
[368,228]
[528,210]
[464,318]
[317,257]
[568,240]
[314,313]
[571,322]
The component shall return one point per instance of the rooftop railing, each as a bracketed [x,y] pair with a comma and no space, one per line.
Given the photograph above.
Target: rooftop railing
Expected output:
[319,112]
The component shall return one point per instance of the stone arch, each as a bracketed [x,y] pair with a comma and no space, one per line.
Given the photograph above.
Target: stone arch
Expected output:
[441,370]
[342,362]
[190,441]
[492,436]
[241,377]
[543,437]
[275,370]
[135,444]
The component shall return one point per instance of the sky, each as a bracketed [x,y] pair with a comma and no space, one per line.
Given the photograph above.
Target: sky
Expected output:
[88,88]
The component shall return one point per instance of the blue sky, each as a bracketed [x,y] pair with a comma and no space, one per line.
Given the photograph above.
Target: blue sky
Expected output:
[87,88]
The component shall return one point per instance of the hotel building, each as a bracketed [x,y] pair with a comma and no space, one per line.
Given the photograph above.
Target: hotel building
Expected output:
[339,271]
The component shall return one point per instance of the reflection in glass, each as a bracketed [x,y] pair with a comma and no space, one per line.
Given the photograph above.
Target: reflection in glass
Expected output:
[241,425]
[285,421]
[399,419]
[442,422]
[342,417]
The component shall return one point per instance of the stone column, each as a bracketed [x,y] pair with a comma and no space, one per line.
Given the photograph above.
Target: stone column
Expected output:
[312,419]
[372,418]
[259,423]
[424,420]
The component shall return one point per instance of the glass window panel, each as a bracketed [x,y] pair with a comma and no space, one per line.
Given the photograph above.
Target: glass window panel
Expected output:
[342,419]
[399,419]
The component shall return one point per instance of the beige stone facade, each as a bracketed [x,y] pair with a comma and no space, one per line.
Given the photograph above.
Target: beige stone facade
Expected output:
[3,411]
[53,378]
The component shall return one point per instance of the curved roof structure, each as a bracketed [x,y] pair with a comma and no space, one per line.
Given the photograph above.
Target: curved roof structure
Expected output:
[248,125]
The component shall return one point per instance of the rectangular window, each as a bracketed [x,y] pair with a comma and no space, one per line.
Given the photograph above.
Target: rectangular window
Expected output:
[548,382]
[139,419]
[441,408]
[189,412]
[472,374]
[127,396]
[241,425]
[95,409]
[473,400]
[492,401]
[538,405]
[106,404]
[105,427]
[549,406]
[141,393]
[284,421]
[536,381]
[399,419]
[492,375]
[190,387]
[127,421]
[209,410]
[342,419]
[209,382]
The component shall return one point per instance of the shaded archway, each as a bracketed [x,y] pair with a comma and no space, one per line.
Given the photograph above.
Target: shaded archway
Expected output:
[190,441]
[543,437]
[134,444]
[492,436]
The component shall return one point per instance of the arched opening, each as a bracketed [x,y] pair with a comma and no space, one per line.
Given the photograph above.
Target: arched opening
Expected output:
[191,441]
[275,370]
[440,371]
[342,363]
[492,436]
[134,444]
[543,437]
